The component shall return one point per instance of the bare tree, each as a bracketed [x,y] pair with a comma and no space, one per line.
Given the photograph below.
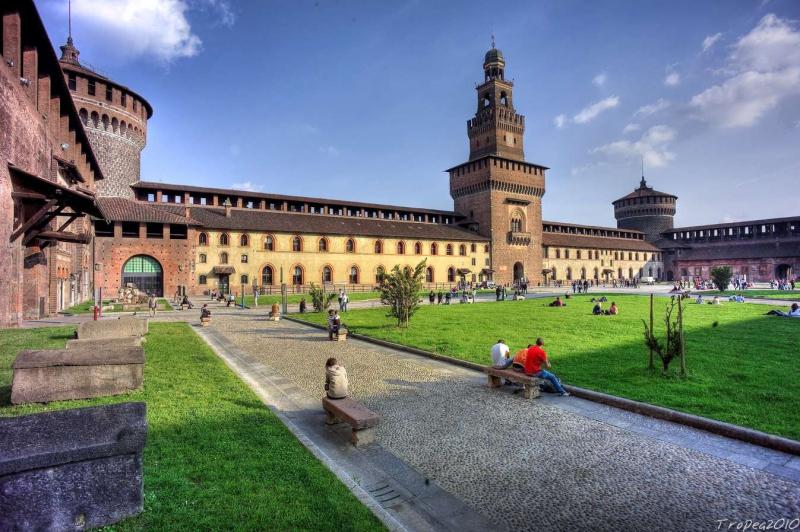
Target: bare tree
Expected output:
[672,346]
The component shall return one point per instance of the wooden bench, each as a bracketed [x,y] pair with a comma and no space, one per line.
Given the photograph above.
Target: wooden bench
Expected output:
[530,384]
[359,417]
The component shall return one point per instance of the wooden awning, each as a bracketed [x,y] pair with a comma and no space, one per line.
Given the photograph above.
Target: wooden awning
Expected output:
[463,271]
[40,201]
[223,270]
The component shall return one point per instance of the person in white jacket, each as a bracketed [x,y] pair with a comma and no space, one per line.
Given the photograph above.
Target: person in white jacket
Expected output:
[336,383]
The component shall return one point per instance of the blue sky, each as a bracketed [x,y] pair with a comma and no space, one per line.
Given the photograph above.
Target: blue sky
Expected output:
[368,101]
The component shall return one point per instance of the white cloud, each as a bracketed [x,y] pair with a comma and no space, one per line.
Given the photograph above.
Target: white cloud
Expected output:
[630,128]
[248,186]
[710,41]
[600,79]
[672,79]
[653,108]
[763,70]
[330,150]
[653,146]
[157,28]
[222,11]
[587,114]
[560,121]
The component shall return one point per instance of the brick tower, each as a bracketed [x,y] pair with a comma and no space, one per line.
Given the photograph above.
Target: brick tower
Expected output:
[647,210]
[498,192]
[115,120]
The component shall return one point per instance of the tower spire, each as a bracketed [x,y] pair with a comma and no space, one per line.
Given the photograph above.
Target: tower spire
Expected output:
[493,41]
[69,21]
[643,183]
[69,53]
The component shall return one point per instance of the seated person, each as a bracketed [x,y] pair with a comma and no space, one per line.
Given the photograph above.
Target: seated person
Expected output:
[500,358]
[794,312]
[567,296]
[557,302]
[336,383]
[205,312]
[603,299]
[518,362]
[598,309]
[534,360]
[185,301]
[699,299]
[714,301]
[333,324]
[613,310]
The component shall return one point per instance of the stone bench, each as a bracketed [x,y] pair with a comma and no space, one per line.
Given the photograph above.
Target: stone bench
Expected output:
[41,376]
[125,326]
[105,343]
[359,417]
[530,384]
[72,469]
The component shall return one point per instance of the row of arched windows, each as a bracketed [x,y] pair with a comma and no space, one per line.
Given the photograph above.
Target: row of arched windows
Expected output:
[323,245]
[106,123]
[298,275]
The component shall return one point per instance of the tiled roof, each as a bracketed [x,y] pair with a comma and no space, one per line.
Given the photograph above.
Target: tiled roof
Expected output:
[289,222]
[600,242]
[125,210]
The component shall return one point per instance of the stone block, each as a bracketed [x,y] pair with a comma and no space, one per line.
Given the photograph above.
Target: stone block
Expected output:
[41,376]
[72,469]
[124,326]
[105,343]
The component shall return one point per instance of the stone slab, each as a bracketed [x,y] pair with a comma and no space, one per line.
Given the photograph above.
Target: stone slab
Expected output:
[352,412]
[103,343]
[72,469]
[124,326]
[63,374]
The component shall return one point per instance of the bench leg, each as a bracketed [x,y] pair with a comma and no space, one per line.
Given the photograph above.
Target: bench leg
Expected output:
[362,437]
[330,419]
[531,391]
[495,382]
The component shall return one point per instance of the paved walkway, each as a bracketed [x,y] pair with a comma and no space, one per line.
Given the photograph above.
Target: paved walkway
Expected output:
[453,454]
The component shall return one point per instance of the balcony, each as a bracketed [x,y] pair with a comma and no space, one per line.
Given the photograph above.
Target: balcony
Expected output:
[519,238]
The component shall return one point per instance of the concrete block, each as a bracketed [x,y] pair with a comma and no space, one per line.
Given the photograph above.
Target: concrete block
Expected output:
[124,326]
[41,376]
[105,343]
[72,469]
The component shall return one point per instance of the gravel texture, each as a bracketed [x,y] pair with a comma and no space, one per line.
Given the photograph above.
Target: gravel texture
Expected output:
[523,464]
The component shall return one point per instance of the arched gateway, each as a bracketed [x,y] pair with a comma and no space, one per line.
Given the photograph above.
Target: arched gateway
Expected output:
[145,272]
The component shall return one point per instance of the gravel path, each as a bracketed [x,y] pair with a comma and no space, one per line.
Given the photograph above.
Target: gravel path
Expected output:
[522,464]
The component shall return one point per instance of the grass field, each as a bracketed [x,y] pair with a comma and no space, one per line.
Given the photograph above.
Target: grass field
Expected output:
[791,295]
[742,365]
[216,457]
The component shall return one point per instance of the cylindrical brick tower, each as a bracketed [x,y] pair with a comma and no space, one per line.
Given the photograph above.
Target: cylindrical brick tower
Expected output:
[646,210]
[115,119]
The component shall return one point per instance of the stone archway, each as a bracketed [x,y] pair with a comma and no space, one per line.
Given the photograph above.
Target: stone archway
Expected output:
[145,272]
[783,271]
[519,271]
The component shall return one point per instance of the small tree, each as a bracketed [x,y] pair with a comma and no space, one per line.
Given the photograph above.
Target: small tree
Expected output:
[721,275]
[319,299]
[672,347]
[400,291]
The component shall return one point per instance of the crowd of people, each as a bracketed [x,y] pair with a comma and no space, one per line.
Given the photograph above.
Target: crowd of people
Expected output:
[528,360]
[782,284]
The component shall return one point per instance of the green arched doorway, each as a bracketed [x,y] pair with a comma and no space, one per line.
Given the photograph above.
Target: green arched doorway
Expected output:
[145,272]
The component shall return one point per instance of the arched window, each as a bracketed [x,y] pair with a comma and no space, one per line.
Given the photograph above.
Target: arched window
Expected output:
[583,274]
[578,254]
[462,250]
[566,253]
[297,245]
[378,246]
[244,279]
[451,275]
[244,258]
[596,274]
[558,253]
[323,244]
[379,273]
[353,278]
[449,249]
[616,256]
[569,273]
[327,274]
[223,258]
[637,255]
[418,248]
[516,225]
[224,239]
[297,275]
[244,240]
[202,280]
[619,273]
[202,239]
[145,272]
[267,276]
[350,246]
[503,99]
[269,243]
[429,274]
[630,273]
[203,258]
[434,248]
[401,248]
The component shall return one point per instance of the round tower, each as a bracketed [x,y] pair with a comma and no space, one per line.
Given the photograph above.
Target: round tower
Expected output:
[646,210]
[115,119]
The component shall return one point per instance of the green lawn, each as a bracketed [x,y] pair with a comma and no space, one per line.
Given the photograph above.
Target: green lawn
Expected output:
[791,295]
[742,365]
[216,457]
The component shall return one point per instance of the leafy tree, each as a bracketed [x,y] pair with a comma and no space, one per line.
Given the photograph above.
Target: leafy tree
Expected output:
[721,275]
[319,299]
[671,348]
[400,290]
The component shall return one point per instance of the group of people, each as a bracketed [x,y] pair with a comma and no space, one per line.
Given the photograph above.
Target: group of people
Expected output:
[439,298]
[528,360]
[580,287]
[598,309]
[344,299]
[334,324]
[782,284]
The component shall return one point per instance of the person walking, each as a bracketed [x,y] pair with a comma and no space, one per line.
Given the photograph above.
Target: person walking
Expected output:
[152,304]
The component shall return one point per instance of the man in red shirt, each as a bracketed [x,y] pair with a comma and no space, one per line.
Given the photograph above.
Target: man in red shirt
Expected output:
[533,366]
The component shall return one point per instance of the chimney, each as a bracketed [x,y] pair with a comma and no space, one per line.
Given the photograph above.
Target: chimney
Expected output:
[227,206]
[186,212]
